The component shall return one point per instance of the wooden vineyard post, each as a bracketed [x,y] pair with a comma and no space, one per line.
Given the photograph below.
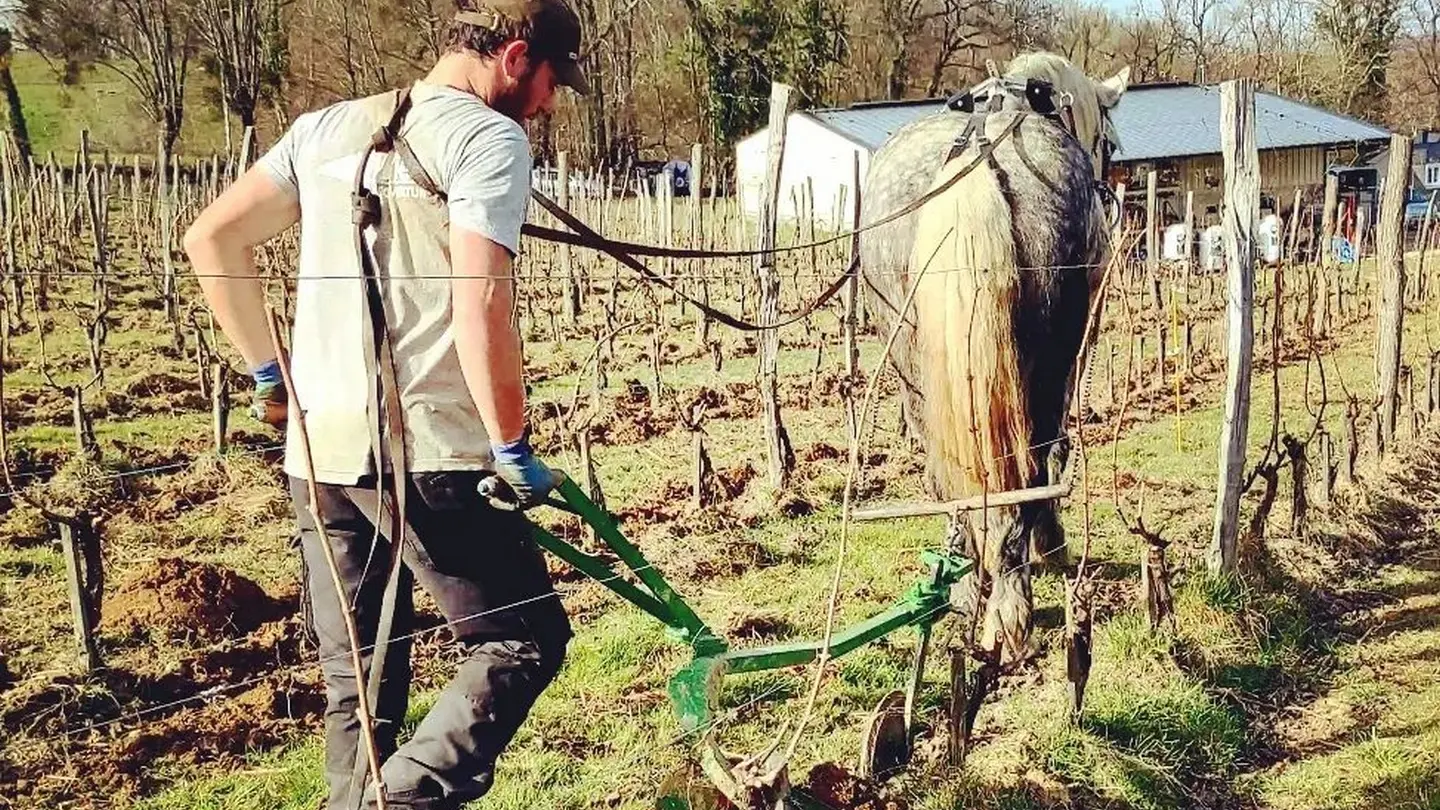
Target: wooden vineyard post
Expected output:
[1299,502]
[1327,467]
[1110,371]
[220,405]
[1421,278]
[1152,246]
[163,200]
[778,452]
[850,323]
[247,150]
[1321,322]
[1291,254]
[82,576]
[1188,349]
[1430,381]
[702,472]
[1188,262]
[666,211]
[697,239]
[567,258]
[592,480]
[1346,471]
[1242,203]
[1160,339]
[1390,268]
[1362,225]
[1119,231]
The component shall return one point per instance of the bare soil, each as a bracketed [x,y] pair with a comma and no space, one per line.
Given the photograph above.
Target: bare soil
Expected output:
[180,599]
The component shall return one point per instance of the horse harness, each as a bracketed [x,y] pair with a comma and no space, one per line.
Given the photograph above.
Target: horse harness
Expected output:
[1037,96]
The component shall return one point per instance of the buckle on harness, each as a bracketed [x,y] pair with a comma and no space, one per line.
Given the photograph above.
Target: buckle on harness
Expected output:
[364,209]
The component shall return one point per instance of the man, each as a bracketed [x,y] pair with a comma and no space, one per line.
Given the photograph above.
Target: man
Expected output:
[441,231]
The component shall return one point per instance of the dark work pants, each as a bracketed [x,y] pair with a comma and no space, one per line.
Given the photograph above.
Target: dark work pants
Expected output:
[477,563]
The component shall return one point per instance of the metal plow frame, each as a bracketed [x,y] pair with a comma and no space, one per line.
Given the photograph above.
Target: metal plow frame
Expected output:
[695,689]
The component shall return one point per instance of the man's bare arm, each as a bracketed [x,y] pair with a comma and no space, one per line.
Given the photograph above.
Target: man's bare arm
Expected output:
[488,346]
[221,245]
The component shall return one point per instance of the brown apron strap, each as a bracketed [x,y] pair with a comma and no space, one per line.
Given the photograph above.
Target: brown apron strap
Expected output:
[384,408]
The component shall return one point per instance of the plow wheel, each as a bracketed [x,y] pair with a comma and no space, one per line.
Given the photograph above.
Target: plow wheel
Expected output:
[885,747]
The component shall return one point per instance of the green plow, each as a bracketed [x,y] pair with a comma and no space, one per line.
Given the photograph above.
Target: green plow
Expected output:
[695,689]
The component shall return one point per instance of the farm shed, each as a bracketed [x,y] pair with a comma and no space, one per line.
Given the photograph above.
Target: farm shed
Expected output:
[1172,129]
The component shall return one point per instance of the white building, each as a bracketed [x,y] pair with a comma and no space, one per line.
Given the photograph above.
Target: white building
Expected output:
[1172,129]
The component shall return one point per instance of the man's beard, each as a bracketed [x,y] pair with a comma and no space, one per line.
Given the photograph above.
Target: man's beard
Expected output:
[511,103]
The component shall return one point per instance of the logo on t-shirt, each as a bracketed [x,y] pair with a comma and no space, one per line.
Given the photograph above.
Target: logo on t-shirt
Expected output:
[397,183]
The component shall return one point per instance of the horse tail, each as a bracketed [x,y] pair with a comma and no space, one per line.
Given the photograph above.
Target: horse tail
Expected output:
[976,412]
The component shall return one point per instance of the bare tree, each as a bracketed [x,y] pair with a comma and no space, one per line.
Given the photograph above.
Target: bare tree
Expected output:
[1417,66]
[1086,35]
[1362,34]
[246,43]
[903,21]
[961,29]
[148,42]
[427,23]
[1200,29]
[1149,46]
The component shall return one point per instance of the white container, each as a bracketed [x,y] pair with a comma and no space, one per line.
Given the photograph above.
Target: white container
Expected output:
[1172,246]
[1267,238]
[1212,249]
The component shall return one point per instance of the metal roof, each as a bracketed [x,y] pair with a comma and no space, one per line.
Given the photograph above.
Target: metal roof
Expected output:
[1160,121]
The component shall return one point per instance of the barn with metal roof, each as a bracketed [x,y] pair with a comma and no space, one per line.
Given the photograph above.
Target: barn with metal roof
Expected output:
[1172,129]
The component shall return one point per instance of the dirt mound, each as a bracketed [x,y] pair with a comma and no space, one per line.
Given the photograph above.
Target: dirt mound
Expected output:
[836,787]
[189,600]
[821,451]
[733,480]
[259,717]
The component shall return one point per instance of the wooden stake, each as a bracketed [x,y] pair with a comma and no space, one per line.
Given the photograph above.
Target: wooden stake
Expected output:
[220,405]
[1299,504]
[81,608]
[1242,202]
[849,322]
[1321,323]
[567,258]
[1346,473]
[1292,253]
[1327,468]
[1390,268]
[778,453]
[1152,246]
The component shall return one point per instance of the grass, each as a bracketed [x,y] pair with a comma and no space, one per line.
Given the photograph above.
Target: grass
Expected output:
[104,104]
[1382,747]
[1172,720]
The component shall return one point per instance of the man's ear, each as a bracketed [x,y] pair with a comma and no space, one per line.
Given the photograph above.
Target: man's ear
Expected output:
[515,60]
[1109,91]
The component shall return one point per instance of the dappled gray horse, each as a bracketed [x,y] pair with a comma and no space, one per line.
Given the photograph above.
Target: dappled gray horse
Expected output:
[1006,261]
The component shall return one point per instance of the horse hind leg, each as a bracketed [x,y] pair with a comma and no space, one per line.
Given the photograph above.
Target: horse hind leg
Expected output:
[1008,619]
[1047,535]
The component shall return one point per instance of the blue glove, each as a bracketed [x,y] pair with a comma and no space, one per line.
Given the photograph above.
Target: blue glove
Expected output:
[269,403]
[527,477]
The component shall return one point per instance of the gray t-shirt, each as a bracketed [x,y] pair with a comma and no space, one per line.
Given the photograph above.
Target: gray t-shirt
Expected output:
[479,156]
[481,159]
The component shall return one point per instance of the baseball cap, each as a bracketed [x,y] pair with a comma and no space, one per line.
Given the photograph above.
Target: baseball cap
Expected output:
[555,33]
